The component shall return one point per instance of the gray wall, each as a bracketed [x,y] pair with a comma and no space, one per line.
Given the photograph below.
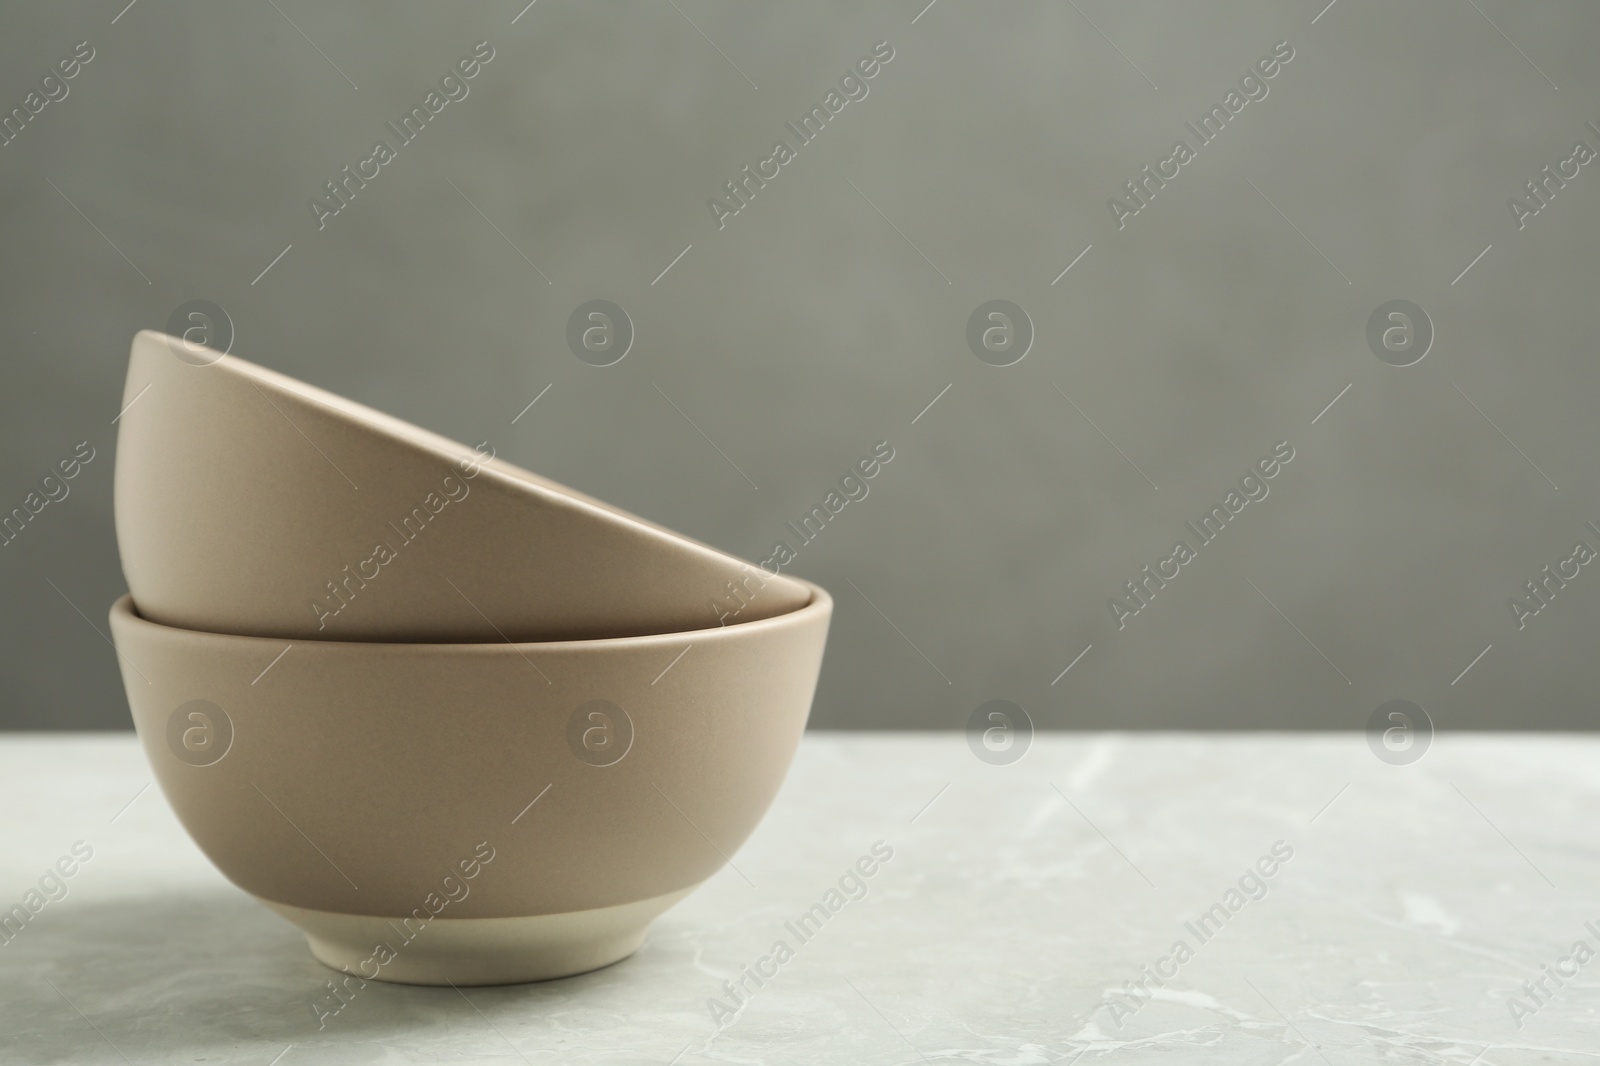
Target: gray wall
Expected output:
[823,318]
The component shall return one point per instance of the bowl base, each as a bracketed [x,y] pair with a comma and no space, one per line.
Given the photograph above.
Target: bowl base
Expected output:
[476,951]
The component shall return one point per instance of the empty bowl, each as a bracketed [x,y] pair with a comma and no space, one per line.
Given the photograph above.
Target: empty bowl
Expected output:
[472,813]
[248,502]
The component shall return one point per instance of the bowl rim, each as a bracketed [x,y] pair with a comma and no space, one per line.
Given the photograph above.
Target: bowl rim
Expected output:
[818,607]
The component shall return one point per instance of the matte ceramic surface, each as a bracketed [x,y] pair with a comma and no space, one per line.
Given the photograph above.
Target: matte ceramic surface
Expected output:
[477,951]
[468,781]
[248,502]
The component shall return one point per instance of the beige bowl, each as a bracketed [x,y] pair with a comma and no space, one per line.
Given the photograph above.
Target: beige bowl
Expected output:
[490,813]
[248,502]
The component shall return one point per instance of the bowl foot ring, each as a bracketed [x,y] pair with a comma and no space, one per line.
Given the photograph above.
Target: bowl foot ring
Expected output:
[476,951]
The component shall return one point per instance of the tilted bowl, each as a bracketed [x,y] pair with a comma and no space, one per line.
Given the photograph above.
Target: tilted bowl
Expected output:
[248,502]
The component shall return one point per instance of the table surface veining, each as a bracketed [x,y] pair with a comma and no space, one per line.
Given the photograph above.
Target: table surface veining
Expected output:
[1174,898]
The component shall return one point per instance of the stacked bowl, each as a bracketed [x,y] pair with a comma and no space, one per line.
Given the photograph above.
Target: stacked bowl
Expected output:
[458,723]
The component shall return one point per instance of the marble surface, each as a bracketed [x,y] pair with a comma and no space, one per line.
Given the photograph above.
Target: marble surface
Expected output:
[1018,902]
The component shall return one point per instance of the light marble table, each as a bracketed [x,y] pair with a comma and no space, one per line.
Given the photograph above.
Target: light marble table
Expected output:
[1018,902]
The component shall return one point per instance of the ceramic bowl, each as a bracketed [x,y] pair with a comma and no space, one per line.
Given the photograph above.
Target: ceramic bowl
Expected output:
[471,813]
[251,503]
